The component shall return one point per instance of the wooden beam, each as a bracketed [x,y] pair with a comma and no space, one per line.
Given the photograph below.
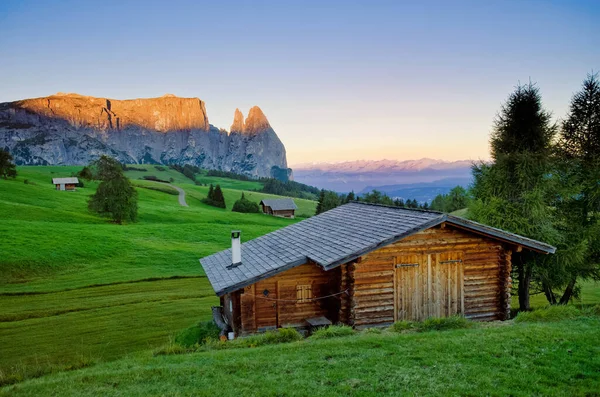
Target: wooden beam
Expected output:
[519,248]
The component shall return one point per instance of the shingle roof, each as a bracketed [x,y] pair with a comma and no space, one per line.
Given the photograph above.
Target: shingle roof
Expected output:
[280,204]
[333,238]
[57,181]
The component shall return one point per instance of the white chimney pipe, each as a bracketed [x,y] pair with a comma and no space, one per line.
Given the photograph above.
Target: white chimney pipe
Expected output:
[236,247]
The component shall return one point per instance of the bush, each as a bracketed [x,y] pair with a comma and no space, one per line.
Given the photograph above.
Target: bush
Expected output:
[282,335]
[197,334]
[551,313]
[333,331]
[215,197]
[160,168]
[246,206]
[402,326]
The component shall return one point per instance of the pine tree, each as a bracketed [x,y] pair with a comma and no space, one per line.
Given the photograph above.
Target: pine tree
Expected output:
[351,197]
[578,203]
[219,199]
[211,193]
[320,202]
[511,193]
[7,167]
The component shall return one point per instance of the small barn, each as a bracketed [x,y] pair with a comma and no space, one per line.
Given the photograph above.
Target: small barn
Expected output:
[65,183]
[367,265]
[279,207]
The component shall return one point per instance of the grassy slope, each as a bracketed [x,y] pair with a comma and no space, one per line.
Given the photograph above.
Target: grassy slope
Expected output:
[51,243]
[561,358]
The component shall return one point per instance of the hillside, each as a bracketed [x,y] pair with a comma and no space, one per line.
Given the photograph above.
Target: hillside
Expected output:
[551,359]
[77,291]
[72,129]
[74,287]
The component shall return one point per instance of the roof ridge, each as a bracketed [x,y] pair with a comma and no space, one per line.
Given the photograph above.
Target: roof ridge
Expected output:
[395,207]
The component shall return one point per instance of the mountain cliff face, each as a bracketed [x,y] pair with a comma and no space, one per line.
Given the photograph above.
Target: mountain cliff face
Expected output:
[75,129]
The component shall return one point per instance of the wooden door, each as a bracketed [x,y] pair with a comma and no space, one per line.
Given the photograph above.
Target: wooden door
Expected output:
[429,285]
[447,297]
[411,287]
[266,304]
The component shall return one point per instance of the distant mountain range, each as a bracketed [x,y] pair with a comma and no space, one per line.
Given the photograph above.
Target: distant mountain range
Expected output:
[74,129]
[422,179]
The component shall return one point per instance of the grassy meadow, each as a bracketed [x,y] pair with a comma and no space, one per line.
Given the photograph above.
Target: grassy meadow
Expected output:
[77,289]
[557,358]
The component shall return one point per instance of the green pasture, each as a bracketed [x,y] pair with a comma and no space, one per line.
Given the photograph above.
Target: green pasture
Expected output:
[70,291]
[504,359]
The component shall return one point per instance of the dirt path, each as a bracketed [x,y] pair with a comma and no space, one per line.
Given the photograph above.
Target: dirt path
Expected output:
[181,196]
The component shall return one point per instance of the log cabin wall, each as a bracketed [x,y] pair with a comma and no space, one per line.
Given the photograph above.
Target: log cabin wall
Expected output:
[287,299]
[479,288]
[284,213]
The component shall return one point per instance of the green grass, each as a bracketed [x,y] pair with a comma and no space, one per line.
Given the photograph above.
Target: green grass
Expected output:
[589,296]
[55,243]
[432,324]
[334,331]
[71,296]
[69,290]
[552,313]
[157,186]
[550,359]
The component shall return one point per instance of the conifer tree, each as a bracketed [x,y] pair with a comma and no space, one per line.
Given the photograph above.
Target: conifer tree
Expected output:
[218,198]
[320,202]
[511,193]
[578,200]
[7,167]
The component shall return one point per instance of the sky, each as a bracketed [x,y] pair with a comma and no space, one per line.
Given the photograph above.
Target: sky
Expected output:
[338,80]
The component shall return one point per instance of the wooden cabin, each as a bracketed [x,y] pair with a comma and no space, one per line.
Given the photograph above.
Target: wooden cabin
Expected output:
[285,208]
[65,183]
[367,265]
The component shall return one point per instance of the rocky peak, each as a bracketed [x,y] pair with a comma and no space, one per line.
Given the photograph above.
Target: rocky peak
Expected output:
[238,122]
[256,121]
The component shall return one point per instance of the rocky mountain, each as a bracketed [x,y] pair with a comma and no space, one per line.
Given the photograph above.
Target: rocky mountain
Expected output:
[75,129]
[358,175]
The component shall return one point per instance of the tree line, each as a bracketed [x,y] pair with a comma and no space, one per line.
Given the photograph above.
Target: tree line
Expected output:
[329,199]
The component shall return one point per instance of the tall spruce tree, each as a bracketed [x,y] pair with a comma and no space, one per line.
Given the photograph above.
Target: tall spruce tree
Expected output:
[320,202]
[7,167]
[578,200]
[218,198]
[512,192]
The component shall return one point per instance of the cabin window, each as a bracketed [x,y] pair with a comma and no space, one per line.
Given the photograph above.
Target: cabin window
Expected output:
[303,293]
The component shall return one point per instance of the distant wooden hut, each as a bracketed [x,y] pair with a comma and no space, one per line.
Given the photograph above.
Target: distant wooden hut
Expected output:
[366,266]
[279,207]
[65,183]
